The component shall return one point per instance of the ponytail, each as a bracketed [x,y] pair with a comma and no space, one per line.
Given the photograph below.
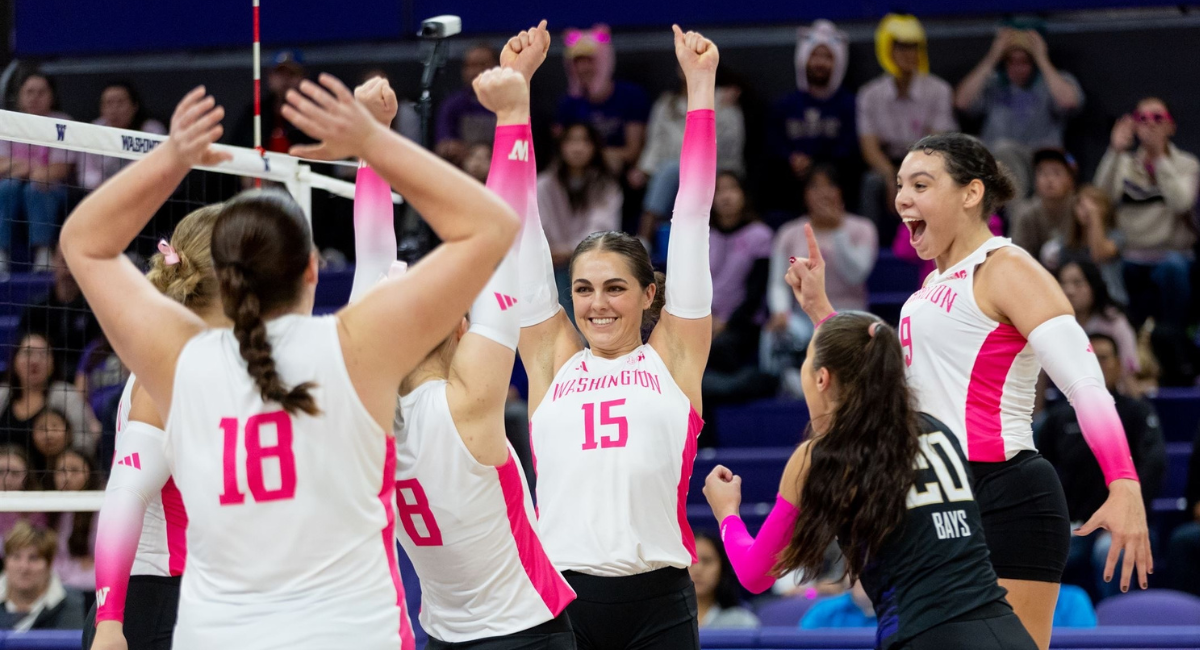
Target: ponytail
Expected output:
[863,466]
[651,315]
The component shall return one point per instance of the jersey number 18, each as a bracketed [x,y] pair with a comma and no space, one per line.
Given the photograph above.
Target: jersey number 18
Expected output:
[256,456]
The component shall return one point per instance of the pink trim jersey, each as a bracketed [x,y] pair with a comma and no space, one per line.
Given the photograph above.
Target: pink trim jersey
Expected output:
[976,375]
[469,529]
[142,524]
[290,532]
[162,547]
[614,441]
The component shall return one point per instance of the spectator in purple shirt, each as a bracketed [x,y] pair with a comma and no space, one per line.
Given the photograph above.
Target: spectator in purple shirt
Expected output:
[739,251]
[1024,99]
[816,122]
[32,178]
[617,109]
[462,121]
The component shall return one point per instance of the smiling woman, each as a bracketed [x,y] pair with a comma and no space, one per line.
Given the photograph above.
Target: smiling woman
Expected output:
[614,414]
[616,290]
[975,339]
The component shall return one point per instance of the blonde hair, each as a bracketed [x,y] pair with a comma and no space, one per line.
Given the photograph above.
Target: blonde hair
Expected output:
[192,281]
[25,534]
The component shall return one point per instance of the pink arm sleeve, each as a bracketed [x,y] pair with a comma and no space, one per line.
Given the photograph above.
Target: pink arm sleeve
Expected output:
[131,487]
[374,232]
[1065,352]
[752,559]
[689,279]
[514,179]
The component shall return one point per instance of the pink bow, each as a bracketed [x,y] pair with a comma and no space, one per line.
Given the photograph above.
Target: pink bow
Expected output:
[170,257]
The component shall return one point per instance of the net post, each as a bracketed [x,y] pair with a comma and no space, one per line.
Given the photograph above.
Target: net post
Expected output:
[300,188]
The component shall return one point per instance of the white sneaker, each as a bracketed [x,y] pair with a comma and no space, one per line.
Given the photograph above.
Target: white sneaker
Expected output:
[41,260]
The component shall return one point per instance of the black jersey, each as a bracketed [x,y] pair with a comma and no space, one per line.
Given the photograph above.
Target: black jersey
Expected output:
[935,567]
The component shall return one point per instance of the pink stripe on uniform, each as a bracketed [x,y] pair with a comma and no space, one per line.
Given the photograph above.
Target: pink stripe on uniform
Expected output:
[695,424]
[546,580]
[985,390]
[177,521]
[408,640]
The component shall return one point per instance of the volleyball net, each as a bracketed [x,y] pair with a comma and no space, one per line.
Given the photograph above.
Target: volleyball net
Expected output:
[60,382]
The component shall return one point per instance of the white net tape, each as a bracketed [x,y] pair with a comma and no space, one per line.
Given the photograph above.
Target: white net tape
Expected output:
[124,143]
[127,144]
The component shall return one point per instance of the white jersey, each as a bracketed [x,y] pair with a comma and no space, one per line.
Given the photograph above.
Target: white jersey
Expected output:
[614,441]
[976,375]
[290,532]
[469,529]
[162,546]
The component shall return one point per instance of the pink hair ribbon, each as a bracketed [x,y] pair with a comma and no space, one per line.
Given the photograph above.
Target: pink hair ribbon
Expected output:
[170,257]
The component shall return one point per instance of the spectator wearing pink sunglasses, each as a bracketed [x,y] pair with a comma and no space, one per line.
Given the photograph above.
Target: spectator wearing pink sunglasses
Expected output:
[1153,185]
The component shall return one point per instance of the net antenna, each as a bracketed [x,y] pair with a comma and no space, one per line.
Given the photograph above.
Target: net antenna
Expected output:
[257,92]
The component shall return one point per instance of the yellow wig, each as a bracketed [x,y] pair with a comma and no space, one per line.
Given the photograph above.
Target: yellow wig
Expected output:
[904,28]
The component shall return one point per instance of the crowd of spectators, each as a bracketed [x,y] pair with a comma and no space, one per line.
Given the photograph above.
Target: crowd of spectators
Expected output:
[1121,243]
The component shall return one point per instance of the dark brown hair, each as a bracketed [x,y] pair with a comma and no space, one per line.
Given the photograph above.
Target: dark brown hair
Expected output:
[862,467]
[637,258]
[596,176]
[967,159]
[261,245]
[79,540]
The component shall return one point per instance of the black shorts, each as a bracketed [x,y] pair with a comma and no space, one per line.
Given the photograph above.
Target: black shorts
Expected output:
[554,634]
[151,605]
[991,627]
[655,610]
[1024,513]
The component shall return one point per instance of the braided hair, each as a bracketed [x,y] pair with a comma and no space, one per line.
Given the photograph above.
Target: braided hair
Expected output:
[261,245]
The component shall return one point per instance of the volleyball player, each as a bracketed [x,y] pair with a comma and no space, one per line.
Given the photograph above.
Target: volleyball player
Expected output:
[142,523]
[913,538]
[614,423]
[277,429]
[467,517]
[974,340]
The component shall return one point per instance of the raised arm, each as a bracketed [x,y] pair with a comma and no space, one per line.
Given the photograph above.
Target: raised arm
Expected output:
[482,366]
[754,558]
[547,338]
[130,490]
[1066,94]
[970,89]
[374,231]
[146,329]
[684,334]
[393,327]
